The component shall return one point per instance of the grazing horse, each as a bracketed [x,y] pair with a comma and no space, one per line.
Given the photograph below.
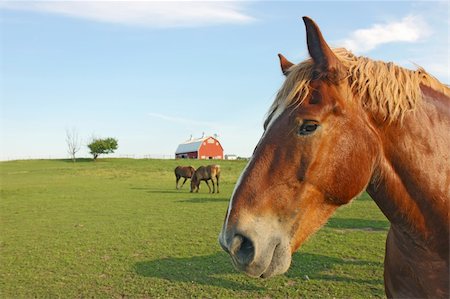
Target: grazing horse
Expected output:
[206,173]
[185,172]
[339,125]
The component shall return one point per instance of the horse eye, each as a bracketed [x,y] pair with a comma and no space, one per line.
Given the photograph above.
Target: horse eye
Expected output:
[308,127]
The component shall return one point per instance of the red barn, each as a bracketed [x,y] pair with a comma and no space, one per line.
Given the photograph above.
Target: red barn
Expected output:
[201,148]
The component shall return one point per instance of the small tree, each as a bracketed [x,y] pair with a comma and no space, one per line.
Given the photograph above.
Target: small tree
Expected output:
[102,146]
[73,143]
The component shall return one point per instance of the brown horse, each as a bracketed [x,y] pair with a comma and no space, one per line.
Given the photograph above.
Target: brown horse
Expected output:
[185,172]
[206,173]
[340,125]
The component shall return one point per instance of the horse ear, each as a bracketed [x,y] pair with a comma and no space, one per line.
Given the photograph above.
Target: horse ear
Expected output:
[324,59]
[285,64]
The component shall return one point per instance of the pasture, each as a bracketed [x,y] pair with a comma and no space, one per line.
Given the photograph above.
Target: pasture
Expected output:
[119,228]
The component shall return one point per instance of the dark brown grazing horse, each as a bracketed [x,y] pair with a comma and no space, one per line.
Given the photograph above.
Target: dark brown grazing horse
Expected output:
[206,173]
[340,125]
[185,172]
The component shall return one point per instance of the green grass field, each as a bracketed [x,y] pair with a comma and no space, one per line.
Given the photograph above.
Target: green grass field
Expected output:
[118,228]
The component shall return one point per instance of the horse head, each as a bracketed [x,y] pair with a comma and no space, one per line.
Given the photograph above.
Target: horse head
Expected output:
[317,152]
[195,181]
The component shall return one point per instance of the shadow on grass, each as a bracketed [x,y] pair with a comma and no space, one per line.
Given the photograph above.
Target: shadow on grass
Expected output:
[199,269]
[214,197]
[204,199]
[314,265]
[208,269]
[78,160]
[358,224]
[159,191]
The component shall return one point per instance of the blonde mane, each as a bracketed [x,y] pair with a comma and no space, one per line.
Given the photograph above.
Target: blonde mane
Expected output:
[384,88]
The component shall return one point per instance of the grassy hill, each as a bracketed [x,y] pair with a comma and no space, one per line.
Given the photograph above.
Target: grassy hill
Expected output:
[119,228]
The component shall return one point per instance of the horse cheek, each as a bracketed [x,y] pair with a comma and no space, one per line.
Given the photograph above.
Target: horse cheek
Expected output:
[344,172]
[353,171]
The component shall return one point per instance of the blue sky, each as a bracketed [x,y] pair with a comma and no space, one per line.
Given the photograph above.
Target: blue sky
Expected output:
[153,73]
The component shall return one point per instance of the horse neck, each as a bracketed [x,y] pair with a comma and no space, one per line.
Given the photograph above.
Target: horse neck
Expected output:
[411,183]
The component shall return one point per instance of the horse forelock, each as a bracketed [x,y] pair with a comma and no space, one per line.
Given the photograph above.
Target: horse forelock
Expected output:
[383,87]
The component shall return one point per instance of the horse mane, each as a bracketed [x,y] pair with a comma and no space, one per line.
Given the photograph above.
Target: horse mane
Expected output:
[384,88]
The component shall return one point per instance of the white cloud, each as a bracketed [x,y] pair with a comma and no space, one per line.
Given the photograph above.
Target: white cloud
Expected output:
[142,13]
[410,29]
[439,69]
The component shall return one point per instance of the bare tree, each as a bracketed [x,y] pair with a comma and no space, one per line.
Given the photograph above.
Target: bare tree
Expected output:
[73,142]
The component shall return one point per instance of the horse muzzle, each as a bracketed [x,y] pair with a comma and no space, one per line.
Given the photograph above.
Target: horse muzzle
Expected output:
[258,255]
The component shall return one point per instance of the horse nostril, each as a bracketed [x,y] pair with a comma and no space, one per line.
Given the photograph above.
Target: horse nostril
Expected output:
[242,249]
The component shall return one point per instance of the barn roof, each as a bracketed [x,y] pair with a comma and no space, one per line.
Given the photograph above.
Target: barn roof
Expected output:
[190,146]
